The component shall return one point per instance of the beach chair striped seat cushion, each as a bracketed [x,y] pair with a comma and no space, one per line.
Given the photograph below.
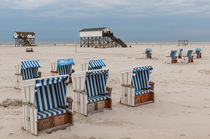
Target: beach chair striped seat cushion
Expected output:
[140,80]
[96,98]
[50,95]
[50,112]
[141,92]
[96,64]
[95,85]
[29,69]
[64,66]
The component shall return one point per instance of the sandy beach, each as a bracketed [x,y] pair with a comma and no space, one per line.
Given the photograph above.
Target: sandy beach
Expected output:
[182,96]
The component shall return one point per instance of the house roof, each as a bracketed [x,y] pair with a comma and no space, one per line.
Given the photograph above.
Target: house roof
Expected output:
[93,29]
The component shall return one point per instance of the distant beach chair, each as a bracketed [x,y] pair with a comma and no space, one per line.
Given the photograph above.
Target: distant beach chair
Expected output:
[93,65]
[136,88]
[148,53]
[198,52]
[45,105]
[63,67]
[188,57]
[91,93]
[172,58]
[180,53]
[27,70]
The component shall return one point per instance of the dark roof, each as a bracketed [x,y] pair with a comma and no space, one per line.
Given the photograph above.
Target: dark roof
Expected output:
[93,29]
[27,33]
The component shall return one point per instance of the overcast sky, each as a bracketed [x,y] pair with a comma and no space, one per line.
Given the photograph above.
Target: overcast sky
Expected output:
[131,20]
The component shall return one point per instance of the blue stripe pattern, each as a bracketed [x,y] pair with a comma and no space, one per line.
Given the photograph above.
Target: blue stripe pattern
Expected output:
[50,112]
[95,85]
[198,51]
[29,69]
[180,51]
[189,54]
[50,93]
[148,52]
[140,78]
[64,66]
[96,64]
[63,70]
[141,92]
[173,54]
[95,82]
[30,64]
[29,73]
[96,98]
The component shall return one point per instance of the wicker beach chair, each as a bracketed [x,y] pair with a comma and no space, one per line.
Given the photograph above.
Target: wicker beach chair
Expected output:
[93,65]
[62,67]
[180,53]
[172,58]
[148,53]
[27,70]
[91,93]
[198,52]
[188,57]
[45,104]
[136,88]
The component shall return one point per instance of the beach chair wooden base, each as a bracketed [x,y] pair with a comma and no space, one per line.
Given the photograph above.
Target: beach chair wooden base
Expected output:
[40,74]
[99,106]
[174,61]
[55,121]
[149,57]
[179,57]
[190,61]
[199,56]
[144,98]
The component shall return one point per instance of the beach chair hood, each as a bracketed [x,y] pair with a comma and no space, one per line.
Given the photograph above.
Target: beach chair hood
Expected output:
[64,66]
[29,69]
[140,77]
[96,64]
[30,64]
[50,93]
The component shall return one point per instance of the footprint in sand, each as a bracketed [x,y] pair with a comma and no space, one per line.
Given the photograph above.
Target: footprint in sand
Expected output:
[182,135]
[205,71]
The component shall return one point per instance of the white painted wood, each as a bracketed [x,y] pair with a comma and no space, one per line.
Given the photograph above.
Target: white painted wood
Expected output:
[84,66]
[127,93]
[30,111]
[96,33]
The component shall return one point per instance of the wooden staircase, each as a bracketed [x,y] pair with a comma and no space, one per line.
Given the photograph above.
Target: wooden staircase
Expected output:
[117,40]
[26,42]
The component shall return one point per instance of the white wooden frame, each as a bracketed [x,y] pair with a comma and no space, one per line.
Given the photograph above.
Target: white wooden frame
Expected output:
[30,110]
[127,91]
[18,76]
[80,103]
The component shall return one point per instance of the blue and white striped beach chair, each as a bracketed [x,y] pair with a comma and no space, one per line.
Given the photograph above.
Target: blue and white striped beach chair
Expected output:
[198,52]
[62,67]
[188,57]
[93,65]
[136,88]
[148,53]
[27,70]
[45,104]
[91,93]
[172,58]
[180,53]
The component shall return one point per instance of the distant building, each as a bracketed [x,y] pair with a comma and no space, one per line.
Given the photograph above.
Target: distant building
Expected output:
[24,38]
[99,38]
